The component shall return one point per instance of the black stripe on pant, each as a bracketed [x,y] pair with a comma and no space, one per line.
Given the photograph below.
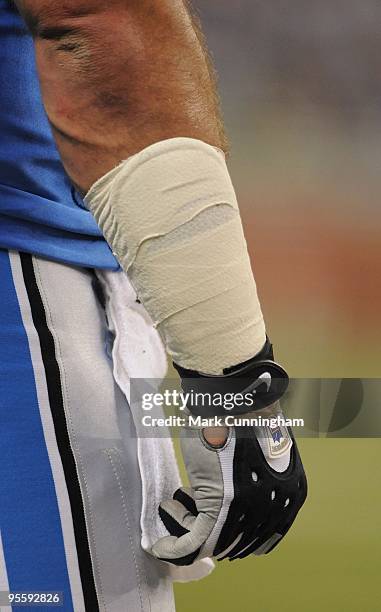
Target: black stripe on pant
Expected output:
[54,386]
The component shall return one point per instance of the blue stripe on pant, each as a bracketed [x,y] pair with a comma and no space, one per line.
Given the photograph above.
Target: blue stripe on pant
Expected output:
[29,516]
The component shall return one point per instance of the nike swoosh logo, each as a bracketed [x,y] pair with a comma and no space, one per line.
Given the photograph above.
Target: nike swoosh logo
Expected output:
[263,378]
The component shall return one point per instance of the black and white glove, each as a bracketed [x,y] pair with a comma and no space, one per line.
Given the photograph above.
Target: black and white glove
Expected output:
[244,495]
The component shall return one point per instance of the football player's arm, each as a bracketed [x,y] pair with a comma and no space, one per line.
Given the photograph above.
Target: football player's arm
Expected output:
[130,94]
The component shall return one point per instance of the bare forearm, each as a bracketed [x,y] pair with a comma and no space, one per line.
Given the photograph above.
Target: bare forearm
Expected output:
[118,76]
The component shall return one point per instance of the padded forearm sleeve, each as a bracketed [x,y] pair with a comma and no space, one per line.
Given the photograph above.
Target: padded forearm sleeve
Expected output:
[171,217]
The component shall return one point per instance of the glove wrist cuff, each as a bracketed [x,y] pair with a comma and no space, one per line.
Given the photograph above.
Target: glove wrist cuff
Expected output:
[248,387]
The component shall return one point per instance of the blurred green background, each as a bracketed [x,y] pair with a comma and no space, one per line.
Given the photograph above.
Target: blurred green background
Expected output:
[301,91]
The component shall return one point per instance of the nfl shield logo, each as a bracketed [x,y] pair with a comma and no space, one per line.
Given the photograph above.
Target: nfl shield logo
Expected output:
[276,434]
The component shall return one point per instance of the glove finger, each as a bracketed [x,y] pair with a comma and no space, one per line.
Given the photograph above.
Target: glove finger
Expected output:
[229,541]
[269,545]
[257,544]
[270,534]
[185,549]
[247,539]
[256,536]
[184,496]
[226,551]
[253,527]
[177,513]
[176,517]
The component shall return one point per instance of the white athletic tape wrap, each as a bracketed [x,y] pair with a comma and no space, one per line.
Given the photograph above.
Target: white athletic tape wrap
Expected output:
[171,217]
